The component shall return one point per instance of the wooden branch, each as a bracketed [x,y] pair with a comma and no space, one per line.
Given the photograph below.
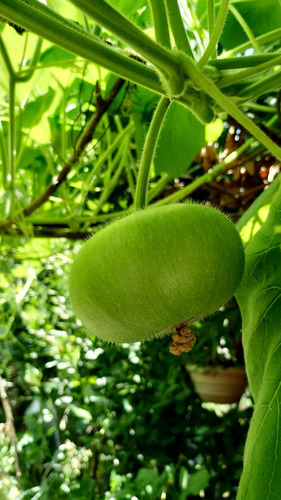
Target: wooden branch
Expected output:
[10,423]
[102,106]
[48,232]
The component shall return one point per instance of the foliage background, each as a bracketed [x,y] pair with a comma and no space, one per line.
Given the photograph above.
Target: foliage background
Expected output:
[96,420]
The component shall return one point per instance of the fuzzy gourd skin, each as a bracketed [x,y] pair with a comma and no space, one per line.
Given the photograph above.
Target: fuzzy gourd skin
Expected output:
[142,275]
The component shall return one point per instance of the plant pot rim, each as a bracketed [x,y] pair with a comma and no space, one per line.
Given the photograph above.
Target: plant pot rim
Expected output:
[216,368]
[218,384]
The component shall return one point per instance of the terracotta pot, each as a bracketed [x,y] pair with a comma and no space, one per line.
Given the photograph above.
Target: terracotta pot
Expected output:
[218,385]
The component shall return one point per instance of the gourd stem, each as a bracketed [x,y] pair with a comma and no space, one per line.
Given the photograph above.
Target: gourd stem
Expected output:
[12,147]
[246,28]
[4,157]
[177,27]
[119,162]
[211,22]
[6,58]
[265,84]
[159,186]
[94,174]
[160,23]
[191,20]
[163,59]
[47,23]
[148,152]
[10,167]
[267,37]
[248,73]
[28,73]
[209,87]
[230,63]
[215,34]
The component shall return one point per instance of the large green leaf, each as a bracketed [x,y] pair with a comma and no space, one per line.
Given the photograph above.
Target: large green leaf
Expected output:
[55,55]
[136,11]
[261,16]
[180,141]
[33,111]
[259,299]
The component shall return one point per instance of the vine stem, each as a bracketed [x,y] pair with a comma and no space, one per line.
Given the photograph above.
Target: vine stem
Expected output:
[116,145]
[193,23]
[248,73]
[24,76]
[208,86]
[164,60]
[211,21]
[9,168]
[148,152]
[9,172]
[230,63]
[160,23]
[121,157]
[215,34]
[266,84]
[119,25]
[261,39]
[4,157]
[246,28]
[12,146]
[6,58]
[45,22]
[177,27]
[40,19]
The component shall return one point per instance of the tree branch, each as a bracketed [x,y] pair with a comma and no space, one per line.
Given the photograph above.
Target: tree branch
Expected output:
[102,106]
[48,232]
[10,422]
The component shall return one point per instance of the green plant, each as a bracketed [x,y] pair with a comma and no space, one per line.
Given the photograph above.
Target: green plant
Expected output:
[120,401]
[218,338]
[154,270]
[204,68]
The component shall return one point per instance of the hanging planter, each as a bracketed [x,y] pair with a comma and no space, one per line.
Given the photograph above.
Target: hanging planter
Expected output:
[218,385]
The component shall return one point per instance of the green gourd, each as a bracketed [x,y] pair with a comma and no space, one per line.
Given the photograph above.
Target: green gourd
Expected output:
[157,268]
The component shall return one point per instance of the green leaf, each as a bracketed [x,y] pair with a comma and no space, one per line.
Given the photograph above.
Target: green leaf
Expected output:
[82,90]
[136,11]
[55,55]
[213,130]
[181,138]
[198,481]
[149,483]
[33,111]
[80,413]
[252,220]
[183,479]
[254,224]
[260,16]
[32,158]
[192,484]
[37,248]
[259,299]
[146,476]
[32,376]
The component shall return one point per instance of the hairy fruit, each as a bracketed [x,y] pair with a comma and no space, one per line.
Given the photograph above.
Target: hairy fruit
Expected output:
[146,273]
